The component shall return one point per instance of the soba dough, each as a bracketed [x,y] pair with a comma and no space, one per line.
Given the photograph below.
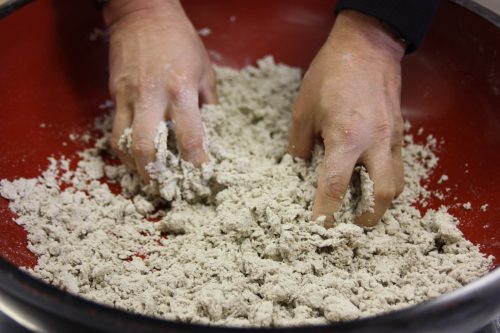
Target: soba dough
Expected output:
[232,243]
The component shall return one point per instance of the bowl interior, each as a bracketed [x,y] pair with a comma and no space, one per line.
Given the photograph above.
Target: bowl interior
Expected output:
[53,78]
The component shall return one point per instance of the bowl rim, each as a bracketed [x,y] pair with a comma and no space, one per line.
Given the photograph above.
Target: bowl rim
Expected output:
[481,10]
[481,294]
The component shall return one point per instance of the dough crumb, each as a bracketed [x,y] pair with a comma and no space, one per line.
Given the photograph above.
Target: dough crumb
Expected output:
[98,34]
[233,243]
[442,179]
[203,32]
[108,104]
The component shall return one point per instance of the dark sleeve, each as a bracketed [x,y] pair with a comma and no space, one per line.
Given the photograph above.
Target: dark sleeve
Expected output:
[409,18]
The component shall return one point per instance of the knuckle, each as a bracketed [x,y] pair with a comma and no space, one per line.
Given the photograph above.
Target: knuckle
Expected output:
[132,87]
[334,188]
[177,84]
[142,147]
[191,143]
[384,131]
[350,136]
[121,83]
[326,100]
[385,194]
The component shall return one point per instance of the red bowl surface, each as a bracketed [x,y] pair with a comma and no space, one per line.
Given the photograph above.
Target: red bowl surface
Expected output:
[52,74]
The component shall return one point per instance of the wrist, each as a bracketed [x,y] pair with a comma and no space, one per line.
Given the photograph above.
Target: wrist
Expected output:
[367,35]
[116,10]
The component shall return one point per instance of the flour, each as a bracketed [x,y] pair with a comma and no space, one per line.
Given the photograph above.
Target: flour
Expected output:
[232,243]
[442,179]
[203,32]
[98,34]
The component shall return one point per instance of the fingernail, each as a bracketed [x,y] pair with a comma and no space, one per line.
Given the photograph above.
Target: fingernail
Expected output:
[326,221]
[320,219]
[329,222]
[197,157]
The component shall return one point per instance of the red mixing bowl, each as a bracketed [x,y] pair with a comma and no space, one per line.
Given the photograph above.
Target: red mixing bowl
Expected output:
[52,74]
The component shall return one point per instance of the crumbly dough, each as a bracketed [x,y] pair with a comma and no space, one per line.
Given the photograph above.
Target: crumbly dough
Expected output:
[232,243]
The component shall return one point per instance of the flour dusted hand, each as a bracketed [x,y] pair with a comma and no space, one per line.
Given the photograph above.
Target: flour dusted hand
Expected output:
[159,71]
[350,97]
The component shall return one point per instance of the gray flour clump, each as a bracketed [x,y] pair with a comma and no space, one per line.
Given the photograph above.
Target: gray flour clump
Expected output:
[232,243]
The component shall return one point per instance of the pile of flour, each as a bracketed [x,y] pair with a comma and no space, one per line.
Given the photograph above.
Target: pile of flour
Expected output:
[232,243]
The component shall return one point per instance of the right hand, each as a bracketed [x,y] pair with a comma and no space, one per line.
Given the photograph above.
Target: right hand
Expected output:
[159,70]
[350,98]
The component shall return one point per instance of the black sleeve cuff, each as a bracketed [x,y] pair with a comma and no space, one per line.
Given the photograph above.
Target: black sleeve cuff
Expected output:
[409,18]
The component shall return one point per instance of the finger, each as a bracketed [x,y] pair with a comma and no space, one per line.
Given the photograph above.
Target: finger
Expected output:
[334,177]
[398,165]
[148,113]
[381,170]
[122,120]
[186,120]
[301,140]
[396,152]
[208,89]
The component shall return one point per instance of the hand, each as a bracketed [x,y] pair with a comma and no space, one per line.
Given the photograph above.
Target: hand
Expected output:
[159,70]
[350,98]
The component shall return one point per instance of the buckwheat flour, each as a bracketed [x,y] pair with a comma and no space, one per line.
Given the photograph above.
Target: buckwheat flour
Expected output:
[232,243]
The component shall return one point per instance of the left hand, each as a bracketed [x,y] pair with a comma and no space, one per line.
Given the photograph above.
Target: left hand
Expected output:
[159,70]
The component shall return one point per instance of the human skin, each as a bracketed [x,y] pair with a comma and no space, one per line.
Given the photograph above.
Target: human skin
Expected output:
[159,70]
[349,98]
